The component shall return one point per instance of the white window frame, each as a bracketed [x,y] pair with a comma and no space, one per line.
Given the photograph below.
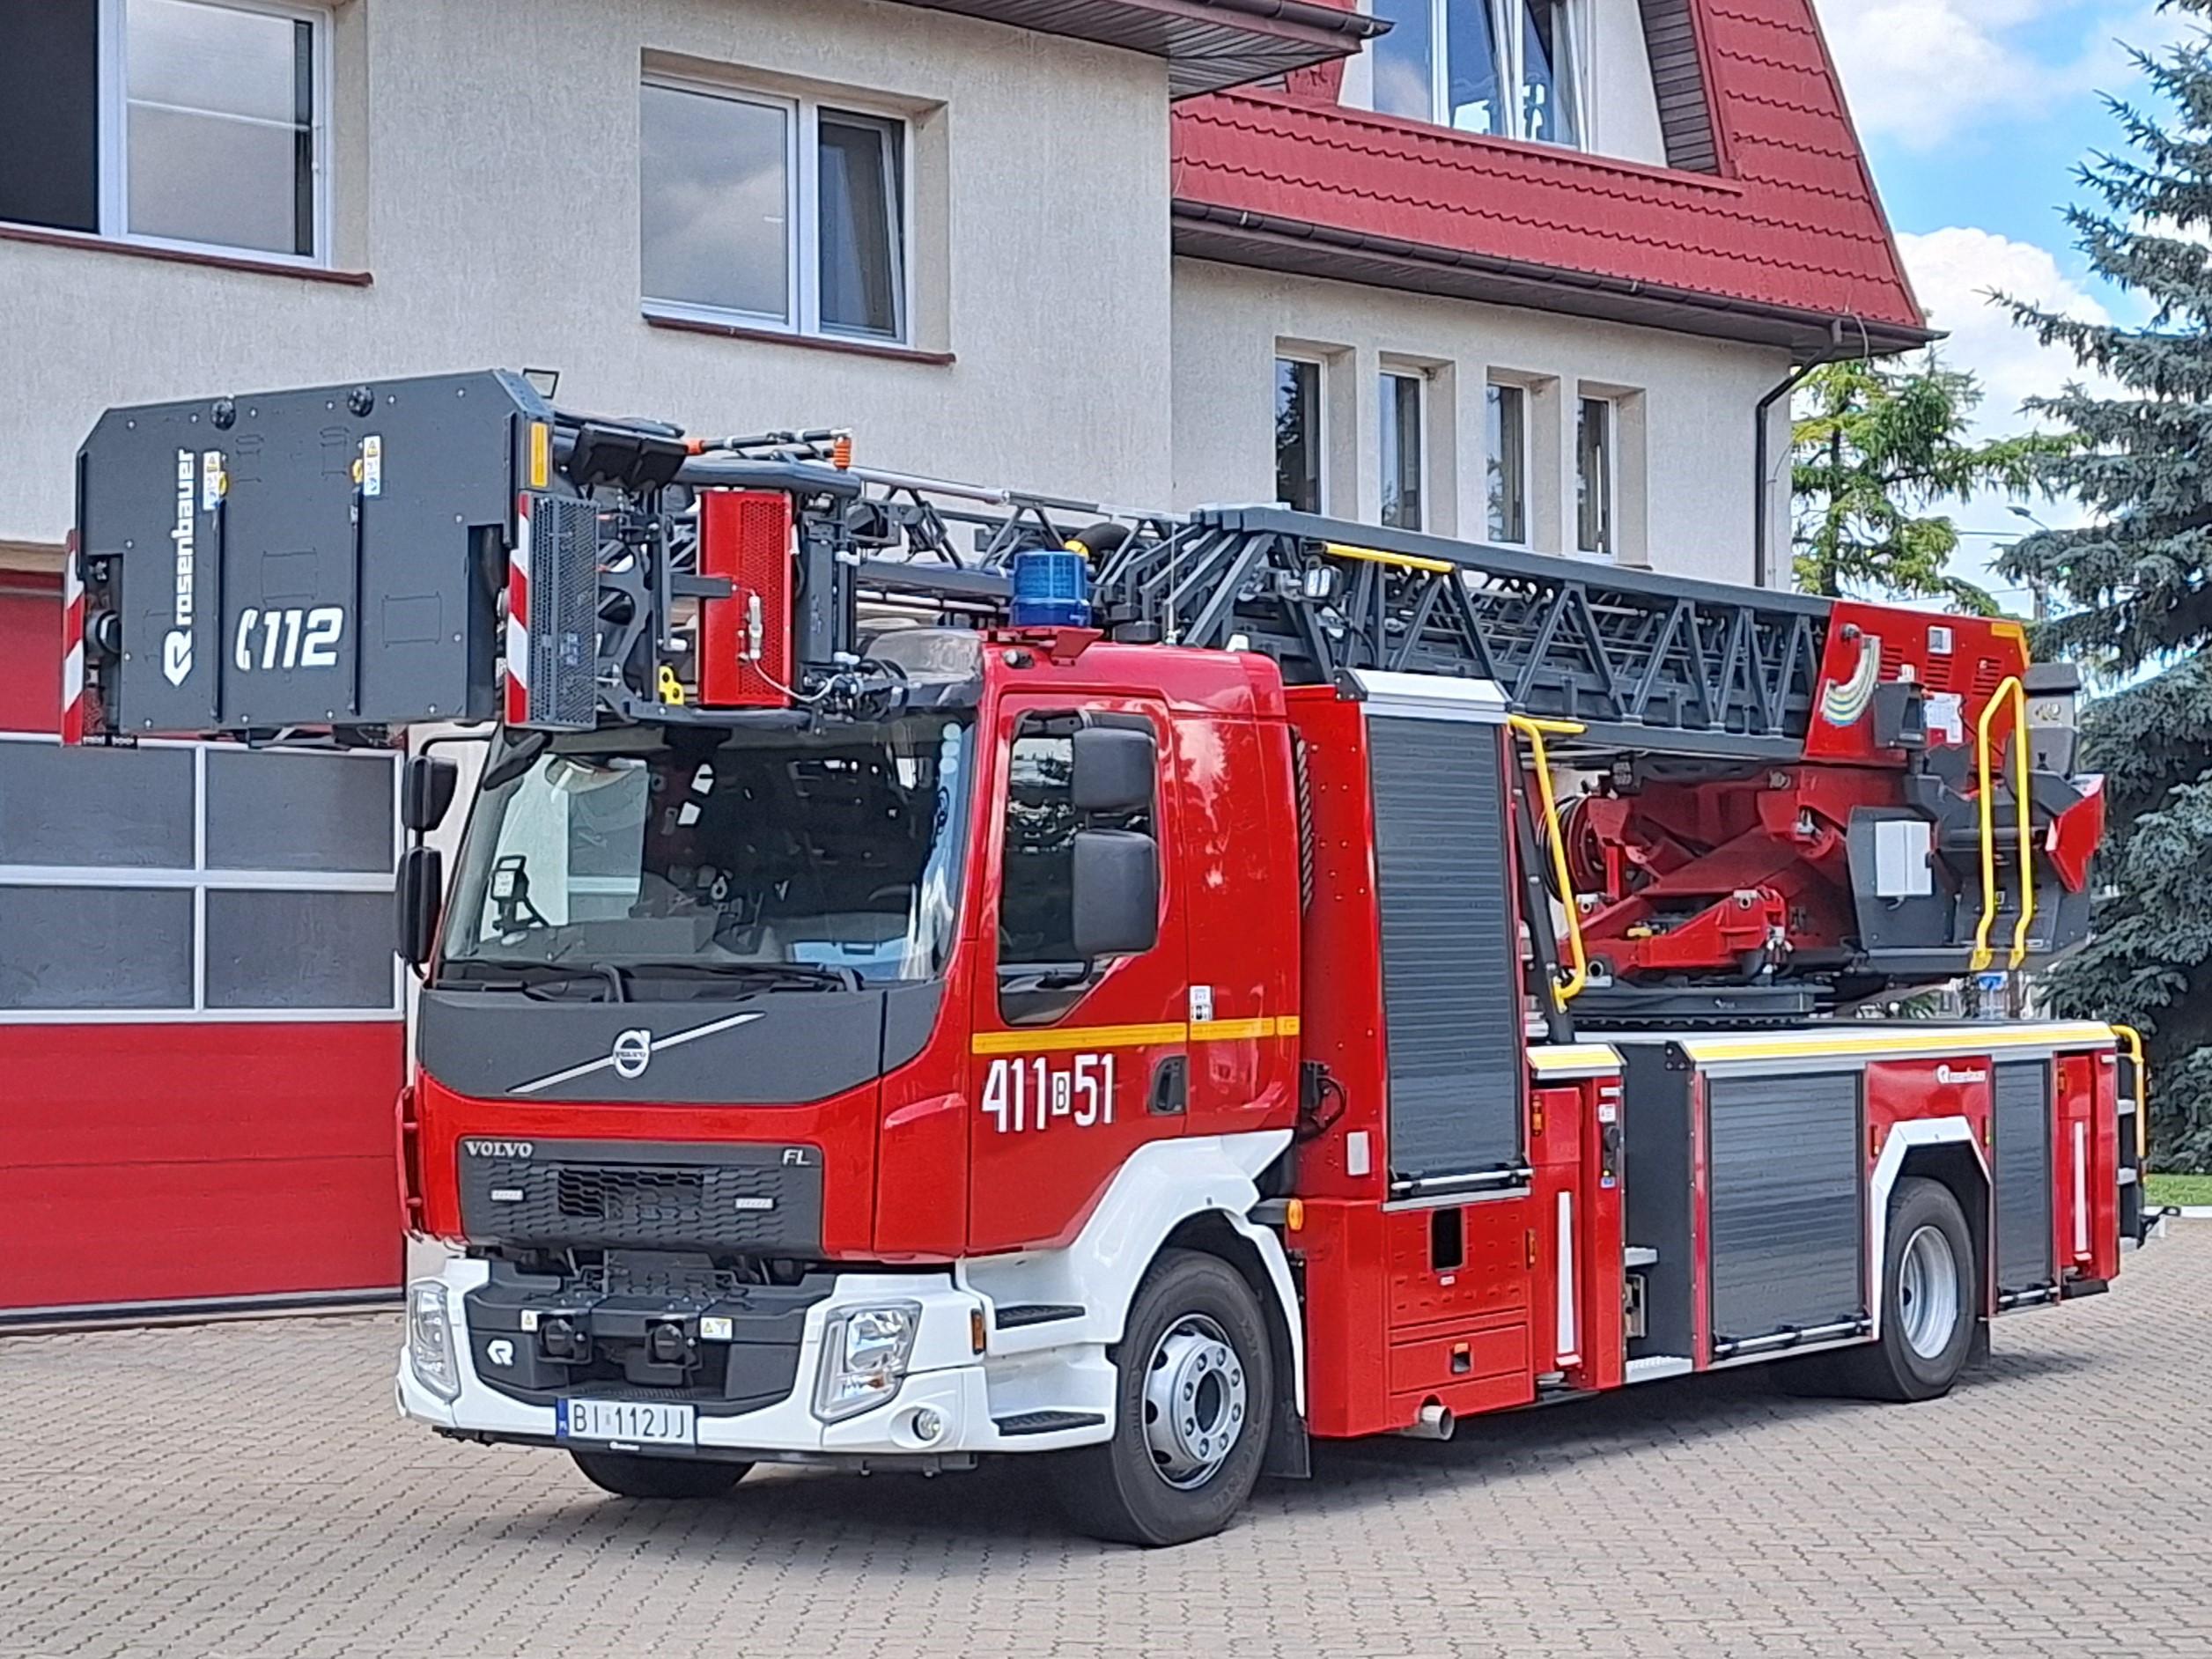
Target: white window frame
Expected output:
[1510,64]
[1609,507]
[114,158]
[802,216]
[1528,462]
[1388,411]
[1321,418]
[200,878]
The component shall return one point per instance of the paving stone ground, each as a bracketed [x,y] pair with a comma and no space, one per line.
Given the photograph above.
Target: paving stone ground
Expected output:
[244,1491]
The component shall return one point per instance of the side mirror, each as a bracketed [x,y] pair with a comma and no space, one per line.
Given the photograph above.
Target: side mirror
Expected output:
[418,892]
[1113,768]
[1115,893]
[426,789]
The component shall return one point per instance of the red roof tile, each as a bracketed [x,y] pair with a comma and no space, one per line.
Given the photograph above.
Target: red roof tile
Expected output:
[1789,226]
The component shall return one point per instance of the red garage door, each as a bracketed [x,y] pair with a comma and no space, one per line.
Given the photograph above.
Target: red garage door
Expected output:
[201,1028]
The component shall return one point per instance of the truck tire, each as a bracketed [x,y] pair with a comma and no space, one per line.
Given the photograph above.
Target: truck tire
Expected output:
[628,1476]
[1194,1395]
[1930,1313]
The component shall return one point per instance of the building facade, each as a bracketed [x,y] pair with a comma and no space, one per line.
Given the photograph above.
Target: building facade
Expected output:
[1532,272]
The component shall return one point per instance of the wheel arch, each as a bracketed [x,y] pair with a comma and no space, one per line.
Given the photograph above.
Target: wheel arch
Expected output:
[1943,1149]
[1259,1258]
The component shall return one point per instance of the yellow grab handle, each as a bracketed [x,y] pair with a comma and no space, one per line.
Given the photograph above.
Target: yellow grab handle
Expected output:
[2009,688]
[1534,730]
[2133,1039]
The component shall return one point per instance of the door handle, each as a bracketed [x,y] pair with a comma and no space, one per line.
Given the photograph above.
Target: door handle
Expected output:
[1171,1093]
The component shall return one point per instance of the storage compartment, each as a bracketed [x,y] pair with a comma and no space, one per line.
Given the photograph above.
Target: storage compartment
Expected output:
[1785,1216]
[2022,1156]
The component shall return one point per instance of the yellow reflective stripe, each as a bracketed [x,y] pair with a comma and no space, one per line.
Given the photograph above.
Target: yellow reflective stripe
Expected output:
[1055,1039]
[1058,1039]
[1580,1056]
[1966,1038]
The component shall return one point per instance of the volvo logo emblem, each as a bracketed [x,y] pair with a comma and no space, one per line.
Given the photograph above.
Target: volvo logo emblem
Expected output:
[498,1148]
[632,1052]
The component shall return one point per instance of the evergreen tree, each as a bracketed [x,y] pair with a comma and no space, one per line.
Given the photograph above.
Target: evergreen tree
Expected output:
[2137,581]
[1875,447]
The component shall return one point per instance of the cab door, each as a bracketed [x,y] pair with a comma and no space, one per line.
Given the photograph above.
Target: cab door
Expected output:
[1078,1056]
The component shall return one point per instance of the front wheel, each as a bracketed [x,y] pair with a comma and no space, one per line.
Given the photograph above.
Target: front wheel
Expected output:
[627,1476]
[1194,1395]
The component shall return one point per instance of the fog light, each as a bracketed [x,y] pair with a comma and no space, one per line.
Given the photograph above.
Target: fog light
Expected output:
[927,1425]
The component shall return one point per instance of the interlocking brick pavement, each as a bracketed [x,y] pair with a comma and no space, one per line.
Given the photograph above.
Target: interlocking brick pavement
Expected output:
[244,1491]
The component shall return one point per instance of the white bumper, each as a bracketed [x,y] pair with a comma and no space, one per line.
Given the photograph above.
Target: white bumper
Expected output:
[969,1395]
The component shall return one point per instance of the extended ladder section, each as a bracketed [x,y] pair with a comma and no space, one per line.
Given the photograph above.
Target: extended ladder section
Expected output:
[1772,784]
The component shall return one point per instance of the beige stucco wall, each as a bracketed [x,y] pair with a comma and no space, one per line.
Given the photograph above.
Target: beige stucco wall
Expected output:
[1684,495]
[486,163]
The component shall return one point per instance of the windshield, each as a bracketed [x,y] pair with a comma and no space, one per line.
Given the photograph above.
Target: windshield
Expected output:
[775,855]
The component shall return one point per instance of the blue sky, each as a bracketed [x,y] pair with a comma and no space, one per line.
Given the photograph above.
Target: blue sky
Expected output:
[1974,114]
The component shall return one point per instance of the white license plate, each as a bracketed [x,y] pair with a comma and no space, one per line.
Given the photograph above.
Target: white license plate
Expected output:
[631,1422]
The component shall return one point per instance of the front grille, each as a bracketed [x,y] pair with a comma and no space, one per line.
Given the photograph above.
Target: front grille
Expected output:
[722,1200]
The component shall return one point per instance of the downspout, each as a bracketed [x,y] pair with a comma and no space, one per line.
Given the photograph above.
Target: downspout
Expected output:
[1783,388]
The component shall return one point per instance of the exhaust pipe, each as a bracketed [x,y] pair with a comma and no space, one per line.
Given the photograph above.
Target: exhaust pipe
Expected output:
[1435,1422]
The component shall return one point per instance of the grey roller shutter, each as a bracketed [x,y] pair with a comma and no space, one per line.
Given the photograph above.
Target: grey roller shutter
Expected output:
[1451,1007]
[1786,1227]
[2023,1107]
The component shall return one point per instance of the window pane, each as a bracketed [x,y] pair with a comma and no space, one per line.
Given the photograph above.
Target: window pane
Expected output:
[1508,446]
[298,812]
[300,950]
[97,947]
[219,126]
[1401,467]
[1594,476]
[49,114]
[1037,916]
[124,806]
[1403,73]
[1298,434]
[1547,79]
[863,232]
[715,192]
[1471,100]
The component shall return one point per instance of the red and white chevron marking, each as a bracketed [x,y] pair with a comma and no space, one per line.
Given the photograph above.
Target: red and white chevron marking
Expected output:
[518,673]
[72,647]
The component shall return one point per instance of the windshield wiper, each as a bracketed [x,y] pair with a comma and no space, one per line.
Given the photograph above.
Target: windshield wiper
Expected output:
[617,984]
[795,975]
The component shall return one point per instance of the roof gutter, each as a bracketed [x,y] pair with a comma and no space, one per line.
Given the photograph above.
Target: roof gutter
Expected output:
[1851,337]
[1357,26]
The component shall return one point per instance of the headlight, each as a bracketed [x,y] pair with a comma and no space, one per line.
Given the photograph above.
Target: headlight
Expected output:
[430,1339]
[863,1356]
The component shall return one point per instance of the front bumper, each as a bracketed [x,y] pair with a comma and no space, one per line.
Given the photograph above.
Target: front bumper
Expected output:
[1050,1400]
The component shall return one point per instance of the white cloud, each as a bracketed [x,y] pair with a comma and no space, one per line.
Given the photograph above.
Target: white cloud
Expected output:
[1923,72]
[1954,271]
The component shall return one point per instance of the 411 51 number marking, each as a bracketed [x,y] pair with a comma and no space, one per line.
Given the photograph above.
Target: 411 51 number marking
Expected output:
[1030,1092]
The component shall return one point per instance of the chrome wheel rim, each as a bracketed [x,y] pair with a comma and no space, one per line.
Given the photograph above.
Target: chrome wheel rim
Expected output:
[1927,1292]
[1194,1402]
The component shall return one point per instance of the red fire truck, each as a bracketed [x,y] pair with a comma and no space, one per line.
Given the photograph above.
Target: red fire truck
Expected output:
[935,972]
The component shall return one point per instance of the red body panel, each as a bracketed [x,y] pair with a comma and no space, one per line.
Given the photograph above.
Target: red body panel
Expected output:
[744,537]
[170,1161]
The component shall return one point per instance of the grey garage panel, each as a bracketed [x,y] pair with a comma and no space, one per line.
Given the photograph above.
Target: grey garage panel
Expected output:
[1783,1169]
[2022,1103]
[95,947]
[126,808]
[300,950]
[298,811]
[1451,1005]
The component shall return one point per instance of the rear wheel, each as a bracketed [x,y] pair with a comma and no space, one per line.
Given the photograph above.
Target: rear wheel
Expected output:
[1928,1316]
[633,1477]
[1194,1396]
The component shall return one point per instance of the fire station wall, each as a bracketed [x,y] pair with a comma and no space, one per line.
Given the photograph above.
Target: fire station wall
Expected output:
[486,179]
[1685,409]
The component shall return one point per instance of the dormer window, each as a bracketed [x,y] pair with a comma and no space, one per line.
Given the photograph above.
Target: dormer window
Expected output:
[1509,67]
